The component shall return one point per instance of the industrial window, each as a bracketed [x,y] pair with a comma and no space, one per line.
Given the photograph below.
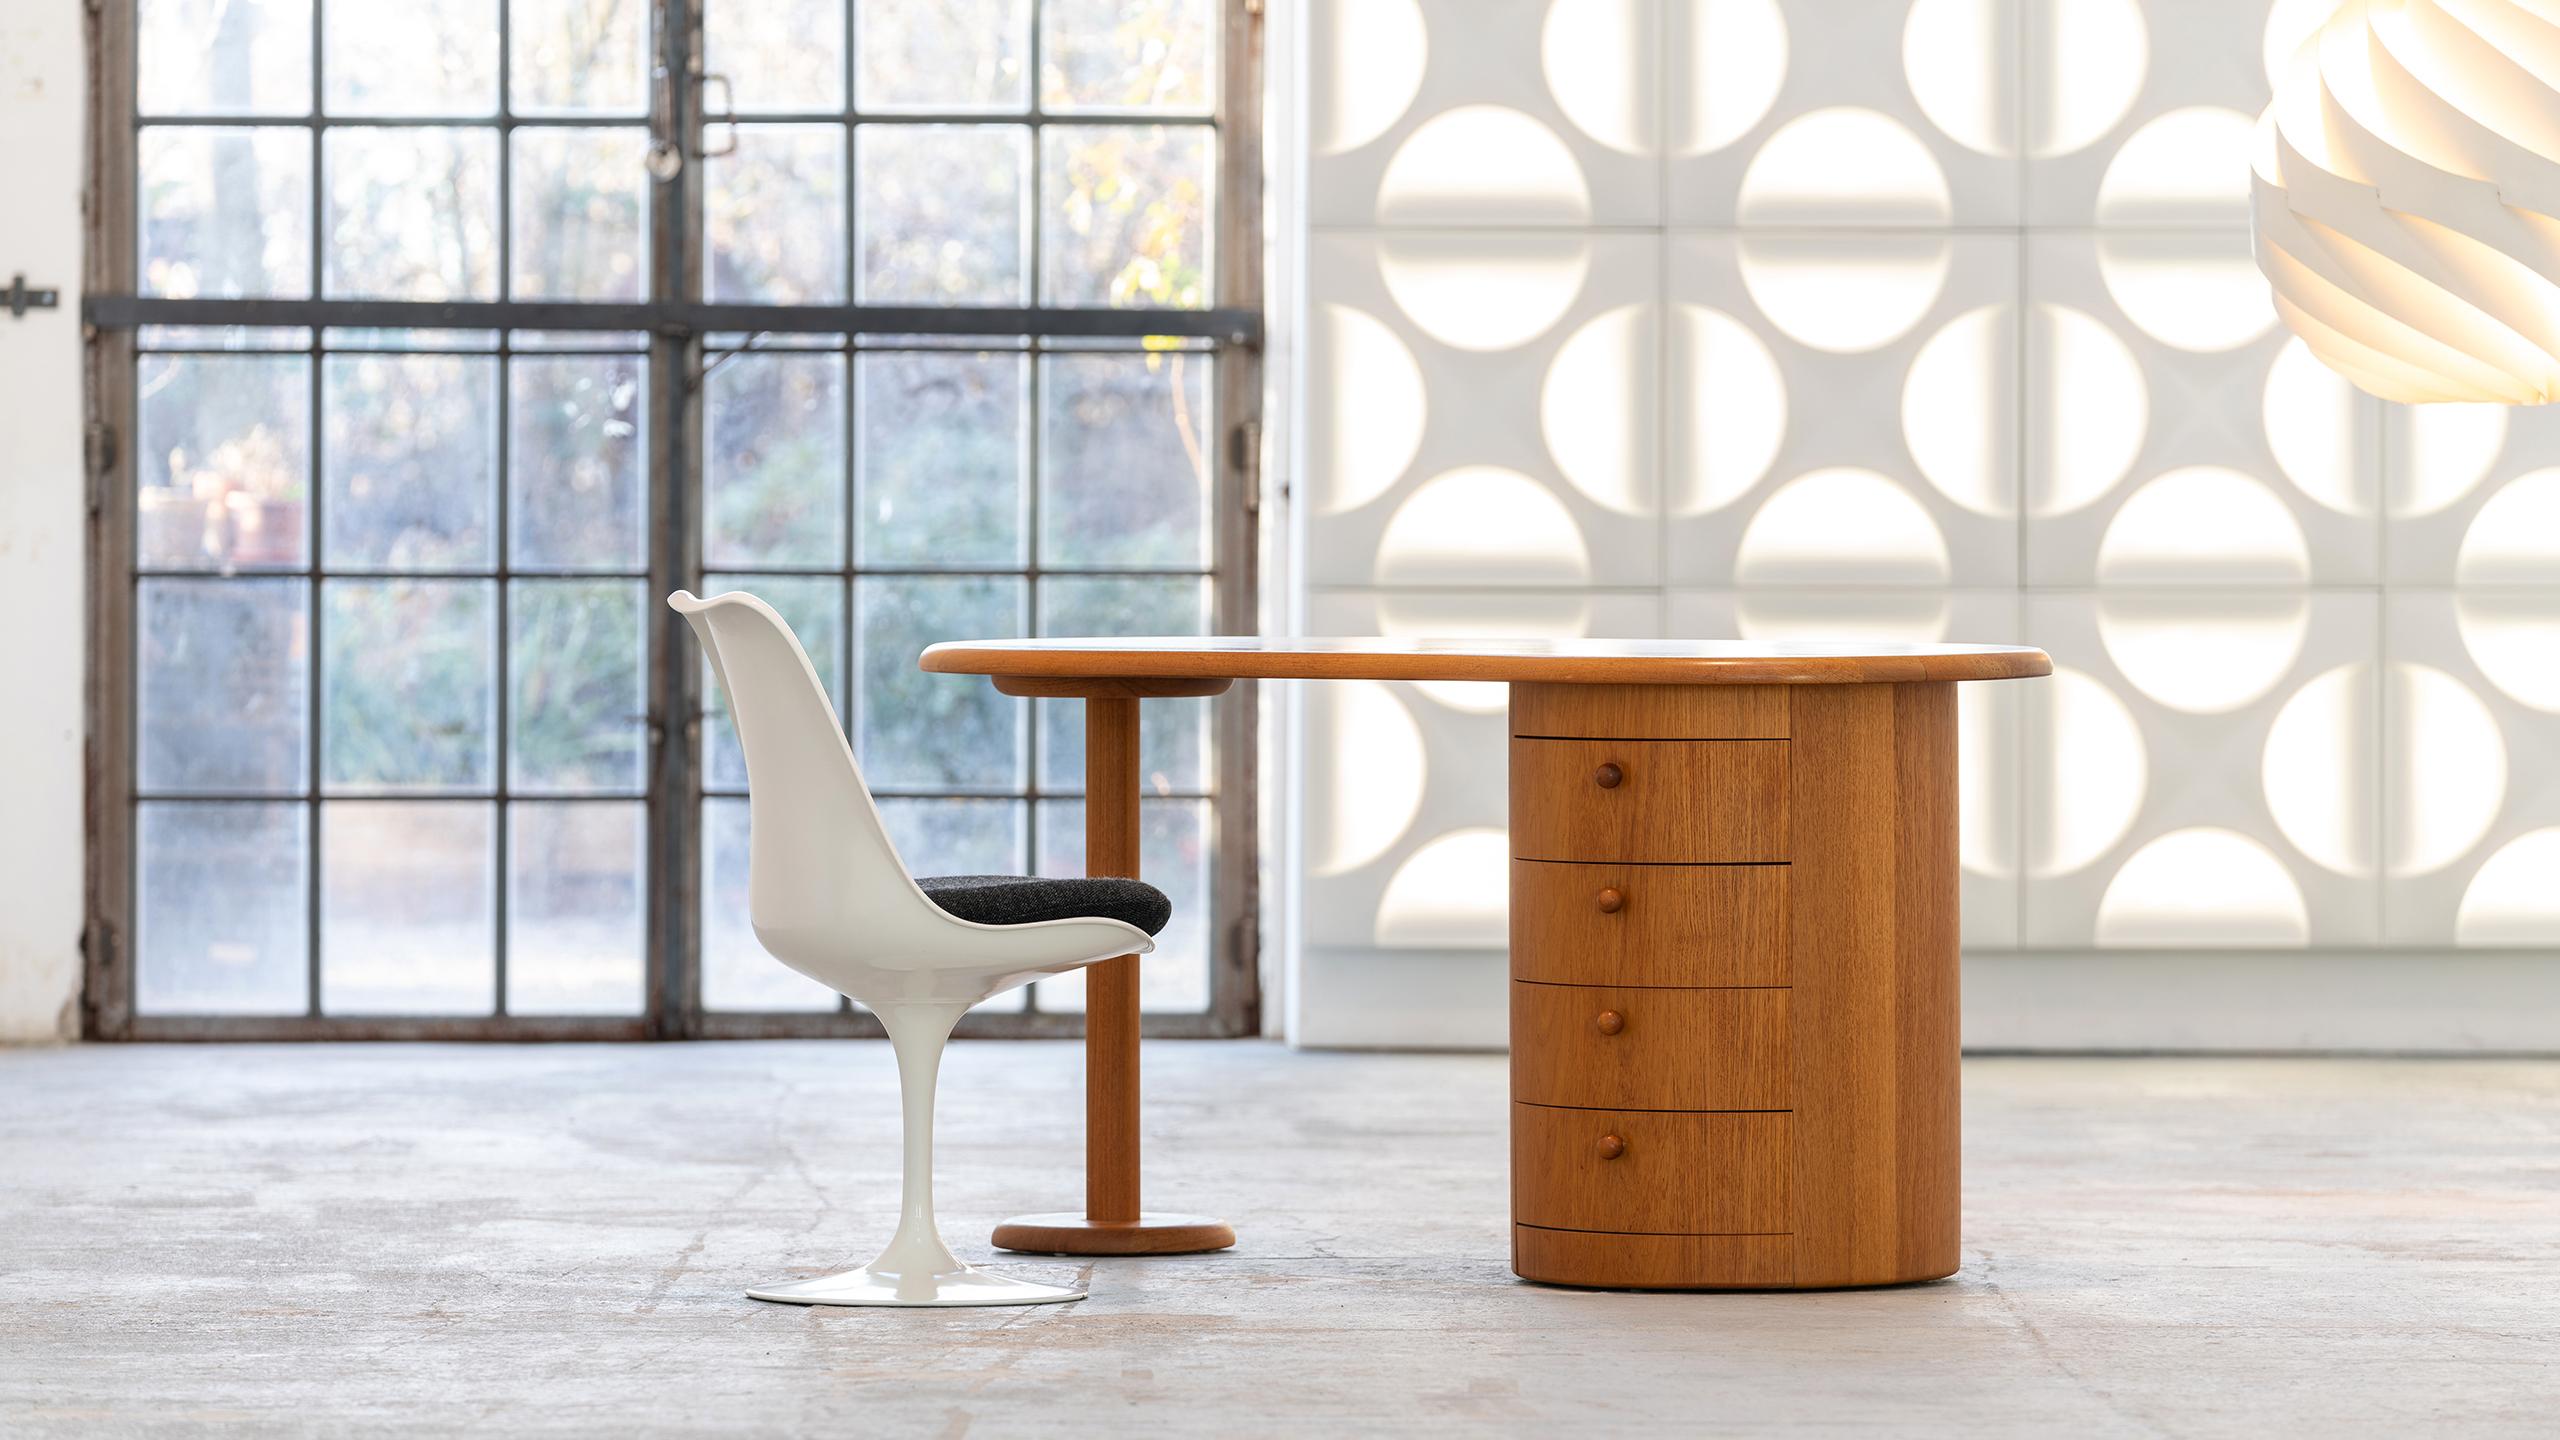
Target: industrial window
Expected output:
[436,343]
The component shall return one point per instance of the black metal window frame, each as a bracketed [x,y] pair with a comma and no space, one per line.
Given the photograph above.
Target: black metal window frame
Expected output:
[677,327]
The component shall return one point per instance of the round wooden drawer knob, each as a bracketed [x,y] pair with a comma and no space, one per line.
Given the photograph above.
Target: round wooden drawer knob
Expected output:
[1612,901]
[1611,1147]
[1608,776]
[1610,1022]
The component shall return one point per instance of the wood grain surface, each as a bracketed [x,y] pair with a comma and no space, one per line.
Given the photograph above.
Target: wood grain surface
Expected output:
[1111,988]
[1650,712]
[1113,1221]
[1624,662]
[1677,1173]
[1603,1047]
[1682,802]
[1090,688]
[1654,1262]
[1873,1011]
[1673,925]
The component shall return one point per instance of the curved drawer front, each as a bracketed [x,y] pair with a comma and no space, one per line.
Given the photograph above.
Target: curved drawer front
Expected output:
[1678,802]
[1651,1172]
[1654,1262]
[1649,924]
[1601,1047]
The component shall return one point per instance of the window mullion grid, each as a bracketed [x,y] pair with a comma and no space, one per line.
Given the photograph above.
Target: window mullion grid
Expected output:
[674,470]
[316,491]
[1035,388]
[851,562]
[675,467]
[501,534]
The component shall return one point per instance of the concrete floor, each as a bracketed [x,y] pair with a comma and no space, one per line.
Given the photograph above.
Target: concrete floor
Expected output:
[552,1240]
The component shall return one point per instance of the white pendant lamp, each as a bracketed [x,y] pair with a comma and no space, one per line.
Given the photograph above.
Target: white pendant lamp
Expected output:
[2406,198]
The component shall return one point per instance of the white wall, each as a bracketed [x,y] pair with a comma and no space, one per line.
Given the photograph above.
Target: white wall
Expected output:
[43,524]
[1928,319]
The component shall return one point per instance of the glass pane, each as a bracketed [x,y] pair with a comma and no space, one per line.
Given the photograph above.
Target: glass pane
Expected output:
[1125,215]
[578,340]
[410,461]
[408,908]
[218,909]
[578,57]
[720,340]
[957,837]
[773,216]
[737,974]
[413,213]
[369,337]
[418,57]
[578,704]
[941,210]
[1173,735]
[575,901]
[223,459]
[1175,850]
[223,57]
[939,465]
[783,56]
[224,213]
[936,732]
[408,684]
[577,487]
[813,605]
[223,337]
[222,687]
[774,478]
[1124,460]
[580,200]
[950,56]
[1128,55]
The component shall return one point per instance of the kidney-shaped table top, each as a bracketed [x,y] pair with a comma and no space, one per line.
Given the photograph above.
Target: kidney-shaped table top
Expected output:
[1591,662]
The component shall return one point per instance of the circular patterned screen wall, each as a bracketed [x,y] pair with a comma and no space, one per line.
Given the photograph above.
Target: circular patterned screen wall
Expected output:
[1941,319]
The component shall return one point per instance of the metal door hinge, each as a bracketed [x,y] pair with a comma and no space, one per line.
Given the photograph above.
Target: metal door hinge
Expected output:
[20,299]
[1244,453]
[98,453]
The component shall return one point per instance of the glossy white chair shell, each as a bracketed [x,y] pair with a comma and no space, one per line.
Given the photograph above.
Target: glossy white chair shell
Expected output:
[830,898]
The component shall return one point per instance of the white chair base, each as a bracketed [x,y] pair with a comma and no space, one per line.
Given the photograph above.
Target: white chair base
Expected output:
[967,1285]
[916,1268]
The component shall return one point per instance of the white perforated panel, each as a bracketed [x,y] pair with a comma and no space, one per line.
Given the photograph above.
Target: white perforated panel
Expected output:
[1924,318]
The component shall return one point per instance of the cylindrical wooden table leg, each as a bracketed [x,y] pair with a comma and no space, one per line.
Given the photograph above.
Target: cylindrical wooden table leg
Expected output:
[1111,988]
[1113,1222]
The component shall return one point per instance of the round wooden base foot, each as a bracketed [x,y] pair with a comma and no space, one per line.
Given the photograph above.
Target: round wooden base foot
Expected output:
[1066,1232]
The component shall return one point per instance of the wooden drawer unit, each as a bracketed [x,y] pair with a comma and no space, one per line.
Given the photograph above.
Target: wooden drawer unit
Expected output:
[1623,924]
[1675,802]
[1733,956]
[1651,1171]
[1601,1047]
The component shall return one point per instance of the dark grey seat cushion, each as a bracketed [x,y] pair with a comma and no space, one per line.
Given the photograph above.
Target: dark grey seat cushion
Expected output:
[1023,899]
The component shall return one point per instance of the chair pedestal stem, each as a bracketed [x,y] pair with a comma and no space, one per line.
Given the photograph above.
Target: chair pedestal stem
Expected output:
[918,1032]
[916,1268]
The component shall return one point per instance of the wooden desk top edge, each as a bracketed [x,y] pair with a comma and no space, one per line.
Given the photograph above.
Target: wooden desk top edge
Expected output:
[1585,662]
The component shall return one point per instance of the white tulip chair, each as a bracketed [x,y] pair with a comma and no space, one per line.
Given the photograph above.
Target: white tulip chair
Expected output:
[830,898]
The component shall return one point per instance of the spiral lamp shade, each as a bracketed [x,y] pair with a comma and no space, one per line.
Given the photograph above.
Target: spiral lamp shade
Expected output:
[2406,198]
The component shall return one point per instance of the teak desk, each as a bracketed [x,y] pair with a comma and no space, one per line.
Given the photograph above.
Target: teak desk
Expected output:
[1733,944]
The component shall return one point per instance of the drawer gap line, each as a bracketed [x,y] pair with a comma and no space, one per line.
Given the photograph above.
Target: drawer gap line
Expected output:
[1646,1110]
[1614,985]
[1667,1234]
